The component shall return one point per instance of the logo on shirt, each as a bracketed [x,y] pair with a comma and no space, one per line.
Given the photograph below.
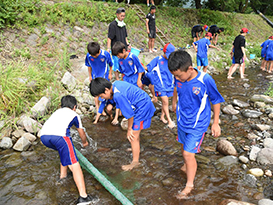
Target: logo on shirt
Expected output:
[179,85]
[130,63]
[102,59]
[136,126]
[196,90]
[162,62]
[121,63]
[92,59]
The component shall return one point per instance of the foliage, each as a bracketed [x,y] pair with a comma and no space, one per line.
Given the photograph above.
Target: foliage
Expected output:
[269,91]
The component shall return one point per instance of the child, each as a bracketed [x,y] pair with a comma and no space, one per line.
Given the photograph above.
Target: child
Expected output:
[269,55]
[196,30]
[263,51]
[55,134]
[163,81]
[109,106]
[202,51]
[129,64]
[146,80]
[97,61]
[135,105]
[195,90]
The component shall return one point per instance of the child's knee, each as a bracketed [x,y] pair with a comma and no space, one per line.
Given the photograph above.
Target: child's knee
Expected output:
[188,155]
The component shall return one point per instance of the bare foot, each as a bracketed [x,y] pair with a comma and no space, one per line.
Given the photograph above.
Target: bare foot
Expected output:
[184,168]
[230,77]
[185,192]
[154,99]
[130,166]
[171,125]
[163,120]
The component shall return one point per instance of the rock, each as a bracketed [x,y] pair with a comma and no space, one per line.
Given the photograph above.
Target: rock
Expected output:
[259,104]
[88,99]
[69,81]
[253,153]
[240,103]
[270,115]
[226,148]
[168,182]
[262,98]
[78,28]
[257,172]
[251,136]
[265,202]
[29,124]
[234,117]
[268,173]
[124,124]
[22,144]
[251,113]
[18,133]
[246,85]
[2,123]
[266,135]
[86,82]
[244,159]
[262,127]
[40,108]
[228,160]
[32,40]
[202,159]
[250,180]
[5,132]
[268,191]
[6,143]
[29,136]
[265,156]
[268,143]
[234,202]
[230,110]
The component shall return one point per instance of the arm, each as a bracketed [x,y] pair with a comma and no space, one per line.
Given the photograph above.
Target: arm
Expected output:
[116,75]
[109,44]
[212,46]
[115,120]
[139,83]
[129,47]
[243,50]
[97,118]
[174,99]
[215,128]
[130,135]
[89,73]
[147,26]
[231,53]
[194,46]
[83,137]
[110,73]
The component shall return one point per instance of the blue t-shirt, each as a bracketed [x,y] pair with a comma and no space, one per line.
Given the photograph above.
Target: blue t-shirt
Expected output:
[99,64]
[132,101]
[202,47]
[264,47]
[193,107]
[104,103]
[160,75]
[269,51]
[130,67]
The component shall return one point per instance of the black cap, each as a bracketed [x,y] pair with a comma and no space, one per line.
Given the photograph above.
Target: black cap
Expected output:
[120,10]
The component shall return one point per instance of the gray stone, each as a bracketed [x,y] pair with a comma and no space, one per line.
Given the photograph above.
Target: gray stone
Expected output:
[246,85]
[6,143]
[78,28]
[262,127]
[251,113]
[22,144]
[244,159]
[86,81]
[2,124]
[265,202]
[266,134]
[259,104]
[18,133]
[250,180]
[268,143]
[69,81]
[32,40]
[49,30]
[262,98]
[168,182]
[257,172]
[29,124]
[240,103]
[230,110]
[88,99]
[226,148]
[265,156]
[234,117]
[228,160]
[251,136]
[253,153]
[234,202]
[30,137]
[40,108]
[124,124]
[270,115]
[202,159]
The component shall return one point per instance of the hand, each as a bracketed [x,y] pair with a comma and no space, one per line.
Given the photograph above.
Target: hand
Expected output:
[130,135]
[218,49]
[114,122]
[196,50]
[108,50]
[110,76]
[90,79]
[215,130]
[139,84]
[85,144]
[129,47]
[148,31]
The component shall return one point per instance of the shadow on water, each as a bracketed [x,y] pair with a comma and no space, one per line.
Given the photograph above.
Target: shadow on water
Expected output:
[30,177]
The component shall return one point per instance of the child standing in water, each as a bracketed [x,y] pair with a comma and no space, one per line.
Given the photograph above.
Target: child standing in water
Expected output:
[195,91]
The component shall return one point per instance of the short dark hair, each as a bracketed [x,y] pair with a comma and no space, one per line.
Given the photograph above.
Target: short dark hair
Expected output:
[152,7]
[97,86]
[118,48]
[222,29]
[68,101]
[120,10]
[93,48]
[179,60]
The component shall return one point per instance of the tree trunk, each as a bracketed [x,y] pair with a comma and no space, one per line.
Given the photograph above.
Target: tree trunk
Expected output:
[198,4]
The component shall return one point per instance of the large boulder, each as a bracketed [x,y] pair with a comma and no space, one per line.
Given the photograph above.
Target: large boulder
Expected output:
[234,202]
[229,109]
[265,156]
[262,98]
[6,143]
[40,108]
[240,103]
[29,124]
[251,113]
[69,81]
[265,202]
[226,148]
[22,144]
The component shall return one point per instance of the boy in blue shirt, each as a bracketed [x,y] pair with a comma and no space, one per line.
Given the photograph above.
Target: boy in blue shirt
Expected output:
[202,51]
[55,134]
[97,61]
[135,105]
[269,55]
[195,90]
[163,81]
[129,64]
[263,52]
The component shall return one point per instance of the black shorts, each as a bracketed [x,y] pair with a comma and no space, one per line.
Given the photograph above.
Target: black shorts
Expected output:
[193,34]
[239,60]
[152,34]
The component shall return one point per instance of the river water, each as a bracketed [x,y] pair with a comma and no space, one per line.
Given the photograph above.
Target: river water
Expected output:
[30,177]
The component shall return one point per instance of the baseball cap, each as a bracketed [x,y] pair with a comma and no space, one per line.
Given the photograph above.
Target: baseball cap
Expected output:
[168,49]
[120,10]
[270,37]
[206,27]
[244,30]
[208,34]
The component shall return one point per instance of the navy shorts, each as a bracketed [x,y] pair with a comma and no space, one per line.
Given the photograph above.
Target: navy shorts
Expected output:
[63,145]
[140,125]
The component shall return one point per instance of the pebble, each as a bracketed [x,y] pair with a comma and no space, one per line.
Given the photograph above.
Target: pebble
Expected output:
[265,202]
[244,159]
[257,172]
[253,153]
[250,180]
[268,173]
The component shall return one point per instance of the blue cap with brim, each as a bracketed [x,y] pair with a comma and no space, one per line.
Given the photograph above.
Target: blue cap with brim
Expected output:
[168,49]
